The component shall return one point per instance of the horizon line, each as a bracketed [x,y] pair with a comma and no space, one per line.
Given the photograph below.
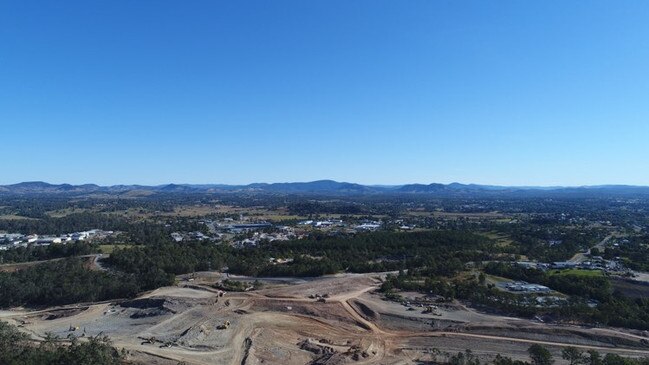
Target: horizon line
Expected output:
[336,181]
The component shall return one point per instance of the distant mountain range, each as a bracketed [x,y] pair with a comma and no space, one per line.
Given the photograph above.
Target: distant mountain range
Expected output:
[327,187]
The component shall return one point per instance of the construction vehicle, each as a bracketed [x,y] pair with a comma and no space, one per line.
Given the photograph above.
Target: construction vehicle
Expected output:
[432,310]
[223,326]
[23,322]
[73,328]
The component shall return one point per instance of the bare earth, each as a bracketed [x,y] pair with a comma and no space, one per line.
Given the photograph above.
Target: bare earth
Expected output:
[281,324]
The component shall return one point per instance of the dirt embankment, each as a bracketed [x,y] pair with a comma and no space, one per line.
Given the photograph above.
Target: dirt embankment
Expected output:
[556,334]
[148,307]
[365,311]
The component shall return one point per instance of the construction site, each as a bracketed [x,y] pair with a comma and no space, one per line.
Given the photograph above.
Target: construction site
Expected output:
[338,319]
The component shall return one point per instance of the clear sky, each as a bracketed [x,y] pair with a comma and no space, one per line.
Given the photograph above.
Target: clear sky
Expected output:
[381,92]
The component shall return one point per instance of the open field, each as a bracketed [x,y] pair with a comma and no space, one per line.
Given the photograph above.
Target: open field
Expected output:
[502,240]
[90,262]
[199,211]
[578,272]
[66,211]
[15,217]
[285,324]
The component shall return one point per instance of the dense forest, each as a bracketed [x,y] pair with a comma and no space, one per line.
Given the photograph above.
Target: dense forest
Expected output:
[433,252]
[37,253]
[66,281]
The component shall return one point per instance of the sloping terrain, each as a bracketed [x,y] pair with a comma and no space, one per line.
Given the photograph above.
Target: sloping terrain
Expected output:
[331,320]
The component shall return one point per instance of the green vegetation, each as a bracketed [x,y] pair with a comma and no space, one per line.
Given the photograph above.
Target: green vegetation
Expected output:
[583,283]
[532,239]
[578,272]
[17,349]
[430,253]
[108,249]
[539,355]
[63,282]
[635,253]
[591,357]
[238,286]
[37,253]
[613,309]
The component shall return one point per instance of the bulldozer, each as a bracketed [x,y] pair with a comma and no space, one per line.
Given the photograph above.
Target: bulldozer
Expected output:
[223,326]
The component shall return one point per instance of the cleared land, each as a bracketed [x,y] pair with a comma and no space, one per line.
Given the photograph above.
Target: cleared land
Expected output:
[288,323]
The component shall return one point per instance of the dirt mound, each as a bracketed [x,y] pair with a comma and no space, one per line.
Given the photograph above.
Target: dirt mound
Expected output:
[147,307]
[150,312]
[144,303]
[315,348]
[365,311]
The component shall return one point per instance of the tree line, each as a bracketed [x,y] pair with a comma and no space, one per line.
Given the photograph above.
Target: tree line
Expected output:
[16,348]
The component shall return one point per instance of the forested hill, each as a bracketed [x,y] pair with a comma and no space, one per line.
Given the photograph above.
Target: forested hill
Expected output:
[330,187]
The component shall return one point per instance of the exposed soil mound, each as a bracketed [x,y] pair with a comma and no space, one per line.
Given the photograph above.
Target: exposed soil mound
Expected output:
[150,312]
[147,307]
[144,303]
[316,348]
[365,311]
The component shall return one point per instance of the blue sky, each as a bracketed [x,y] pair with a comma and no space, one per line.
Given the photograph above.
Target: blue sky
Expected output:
[384,92]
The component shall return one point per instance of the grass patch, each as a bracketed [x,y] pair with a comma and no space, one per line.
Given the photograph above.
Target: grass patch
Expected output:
[578,272]
[13,217]
[502,240]
[65,212]
[493,279]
